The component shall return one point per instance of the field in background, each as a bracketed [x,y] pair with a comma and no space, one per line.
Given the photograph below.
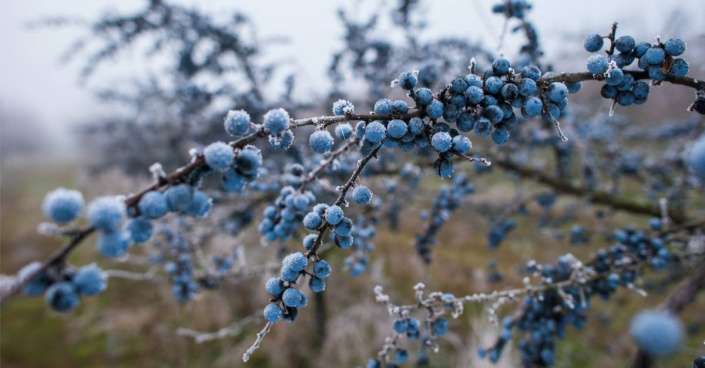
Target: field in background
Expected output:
[134,324]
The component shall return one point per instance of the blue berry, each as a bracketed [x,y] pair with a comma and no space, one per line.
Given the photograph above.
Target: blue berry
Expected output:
[574,87]
[400,107]
[474,94]
[292,297]
[531,72]
[527,87]
[106,213]
[219,156]
[443,167]
[493,85]
[343,131]
[440,327]
[557,92]
[89,280]
[383,107]
[248,160]
[340,106]
[655,56]
[276,120]
[461,144]
[640,89]
[296,261]
[274,286]
[288,274]
[178,197]
[237,122]
[317,284]
[658,333]
[615,78]
[362,195]
[641,48]
[399,325]
[282,141]
[233,181]
[375,132]
[396,128]
[321,141]
[679,68]
[344,242]
[272,312]
[500,136]
[483,127]
[500,66]
[321,269]
[62,205]
[473,80]
[435,109]
[674,47]
[408,80]
[200,205]
[625,43]
[153,204]
[61,297]
[113,244]
[493,113]
[140,229]
[334,215]
[466,122]
[532,107]
[509,91]
[441,141]
[423,97]
[593,43]
[656,73]
[597,64]
[696,157]
[312,221]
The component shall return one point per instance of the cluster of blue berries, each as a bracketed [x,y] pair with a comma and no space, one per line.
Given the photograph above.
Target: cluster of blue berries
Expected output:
[281,220]
[363,232]
[183,286]
[546,315]
[498,231]
[324,215]
[579,235]
[658,60]
[62,287]
[277,122]
[286,299]
[448,200]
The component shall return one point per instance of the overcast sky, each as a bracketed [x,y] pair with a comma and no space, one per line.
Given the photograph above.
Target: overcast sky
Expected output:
[36,86]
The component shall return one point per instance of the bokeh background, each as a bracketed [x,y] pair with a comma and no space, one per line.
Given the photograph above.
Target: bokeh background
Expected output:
[45,103]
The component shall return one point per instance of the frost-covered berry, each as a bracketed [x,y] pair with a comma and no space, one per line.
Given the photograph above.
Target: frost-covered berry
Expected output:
[106,213]
[344,242]
[248,160]
[309,240]
[153,204]
[439,327]
[321,269]
[296,261]
[276,120]
[113,244]
[483,127]
[344,228]
[272,312]
[593,42]
[362,195]
[597,64]
[625,43]
[178,197]
[441,141]
[274,286]
[283,140]
[343,131]
[655,56]
[400,107]
[500,66]
[233,181]
[334,215]
[674,46]
[375,132]
[200,205]
[321,141]
[36,285]
[292,297]
[658,333]
[435,109]
[443,167]
[696,157]
[61,297]
[288,274]
[493,85]
[557,92]
[401,355]
[89,280]
[532,72]
[399,325]
[527,87]
[341,106]
[312,221]
[383,106]
[493,113]
[219,156]
[408,80]
[237,122]
[317,284]
[679,68]
[474,94]
[62,205]
[140,229]
[532,107]
[423,96]
[461,144]
[397,128]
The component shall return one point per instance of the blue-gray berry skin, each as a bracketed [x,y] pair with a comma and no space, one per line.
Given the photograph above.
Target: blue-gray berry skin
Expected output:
[276,120]
[321,269]
[37,284]
[362,195]
[674,47]
[219,156]
[200,205]
[63,205]
[140,229]
[593,43]
[441,141]
[89,280]
[423,97]
[321,141]
[679,68]
[655,55]
[625,43]
[500,66]
[408,80]
[106,213]
[383,107]
[153,204]
[375,132]
[237,122]
[657,333]
[62,297]
[178,197]
[435,109]
[113,244]
[341,106]
[272,312]
[597,64]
